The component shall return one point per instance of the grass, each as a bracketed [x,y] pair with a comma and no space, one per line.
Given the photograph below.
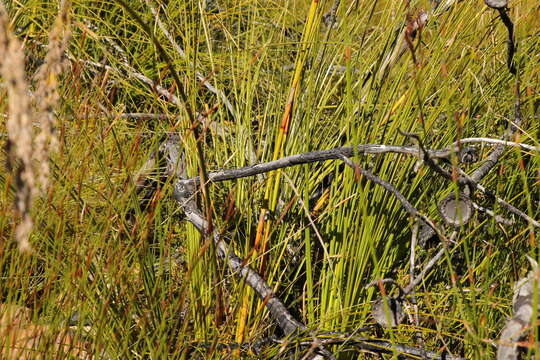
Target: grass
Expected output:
[137,273]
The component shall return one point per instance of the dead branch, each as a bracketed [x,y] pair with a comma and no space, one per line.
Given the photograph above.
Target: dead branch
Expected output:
[344,340]
[470,181]
[417,280]
[523,304]
[493,158]
[316,156]
[497,142]
[184,195]
[377,346]
[390,188]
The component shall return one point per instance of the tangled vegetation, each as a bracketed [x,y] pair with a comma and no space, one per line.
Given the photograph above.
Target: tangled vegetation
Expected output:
[268,179]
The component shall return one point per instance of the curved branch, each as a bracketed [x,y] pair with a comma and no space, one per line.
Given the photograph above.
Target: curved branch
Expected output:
[316,156]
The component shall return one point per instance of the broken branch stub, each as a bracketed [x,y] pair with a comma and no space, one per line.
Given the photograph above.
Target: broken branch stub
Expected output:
[388,311]
[456,212]
[496,4]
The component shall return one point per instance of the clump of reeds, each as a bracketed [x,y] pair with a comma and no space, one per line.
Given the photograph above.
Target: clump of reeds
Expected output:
[23,147]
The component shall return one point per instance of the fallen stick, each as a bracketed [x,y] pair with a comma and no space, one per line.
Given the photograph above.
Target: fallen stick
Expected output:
[525,311]
[390,188]
[184,194]
[317,156]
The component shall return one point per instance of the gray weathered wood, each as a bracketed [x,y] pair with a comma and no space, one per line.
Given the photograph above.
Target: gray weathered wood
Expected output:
[496,4]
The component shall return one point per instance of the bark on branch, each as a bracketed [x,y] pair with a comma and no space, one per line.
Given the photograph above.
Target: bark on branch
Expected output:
[184,194]
[318,156]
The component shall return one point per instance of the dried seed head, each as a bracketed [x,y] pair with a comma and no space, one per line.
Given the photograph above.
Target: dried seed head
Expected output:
[23,153]
[19,127]
[46,95]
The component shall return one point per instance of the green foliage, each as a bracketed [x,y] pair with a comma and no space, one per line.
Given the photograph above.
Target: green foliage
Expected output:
[145,280]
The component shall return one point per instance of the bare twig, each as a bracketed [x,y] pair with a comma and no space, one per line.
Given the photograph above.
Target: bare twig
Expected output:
[343,339]
[274,305]
[426,156]
[389,187]
[385,281]
[339,153]
[417,280]
[160,90]
[147,116]
[183,193]
[316,156]
[412,257]
[167,95]
[471,182]
[493,158]
[497,141]
[330,17]
[499,219]
[191,114]
[412,265]
[378,346]
[502,7]
[511,44]
[480,172]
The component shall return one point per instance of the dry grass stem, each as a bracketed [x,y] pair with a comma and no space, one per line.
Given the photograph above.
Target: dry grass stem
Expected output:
[22,150]
[21,339]
[47,95]
[19,128]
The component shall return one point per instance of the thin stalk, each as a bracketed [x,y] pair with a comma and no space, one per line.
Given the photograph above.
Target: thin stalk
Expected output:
[273,181]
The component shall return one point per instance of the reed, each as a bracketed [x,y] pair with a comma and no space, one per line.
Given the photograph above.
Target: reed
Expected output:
[116,267]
